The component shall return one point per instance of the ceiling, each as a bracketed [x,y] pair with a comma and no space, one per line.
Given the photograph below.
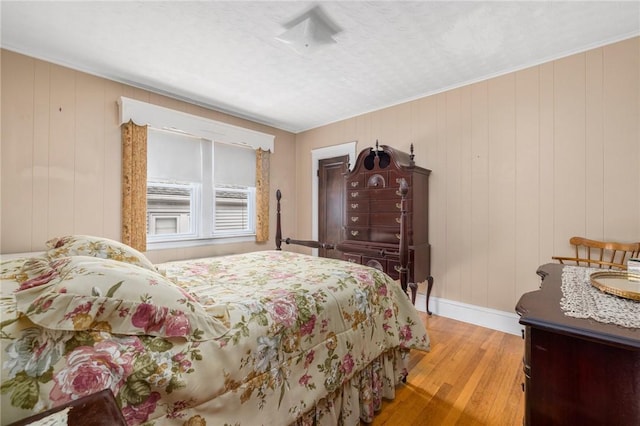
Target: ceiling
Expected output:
[225,55]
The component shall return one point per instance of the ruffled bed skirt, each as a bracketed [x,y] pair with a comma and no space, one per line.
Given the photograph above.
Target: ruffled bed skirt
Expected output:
[361,397]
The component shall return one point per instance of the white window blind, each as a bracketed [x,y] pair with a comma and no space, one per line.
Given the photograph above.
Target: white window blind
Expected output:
[234,165]
[174,157]
[198,189]
[234,180]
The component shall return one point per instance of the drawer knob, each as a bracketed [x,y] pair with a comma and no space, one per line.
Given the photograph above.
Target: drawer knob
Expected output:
[398,220]
[354,194]
[354,184]
[354,205]
[354,219]
[399,206]
[355,233]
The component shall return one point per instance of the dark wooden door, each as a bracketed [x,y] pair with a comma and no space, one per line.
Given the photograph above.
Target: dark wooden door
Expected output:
[331,202]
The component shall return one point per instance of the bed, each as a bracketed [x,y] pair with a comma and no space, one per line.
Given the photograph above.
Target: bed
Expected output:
[269,337]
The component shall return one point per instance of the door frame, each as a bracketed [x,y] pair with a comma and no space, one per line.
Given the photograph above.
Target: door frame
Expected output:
[348,148]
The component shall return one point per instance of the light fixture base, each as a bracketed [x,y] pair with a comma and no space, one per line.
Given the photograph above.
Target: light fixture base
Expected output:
[309,32]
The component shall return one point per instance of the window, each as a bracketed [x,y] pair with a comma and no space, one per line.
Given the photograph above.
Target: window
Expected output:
[169,208]
[190,203]
[198,189]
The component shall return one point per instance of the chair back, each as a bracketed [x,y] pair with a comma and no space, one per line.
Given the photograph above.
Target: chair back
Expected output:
[601,254]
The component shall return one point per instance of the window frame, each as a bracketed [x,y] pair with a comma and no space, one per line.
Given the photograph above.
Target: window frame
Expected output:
[251,213]
[155,116]
[194,204]
[203,206]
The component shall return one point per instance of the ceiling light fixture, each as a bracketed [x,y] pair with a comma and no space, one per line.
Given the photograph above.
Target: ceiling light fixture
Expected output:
[310,32]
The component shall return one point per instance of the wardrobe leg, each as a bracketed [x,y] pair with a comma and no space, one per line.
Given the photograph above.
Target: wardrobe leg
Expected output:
[429,287]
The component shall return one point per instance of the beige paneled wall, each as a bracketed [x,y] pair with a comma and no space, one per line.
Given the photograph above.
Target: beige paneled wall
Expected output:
[60,157]
[520,163]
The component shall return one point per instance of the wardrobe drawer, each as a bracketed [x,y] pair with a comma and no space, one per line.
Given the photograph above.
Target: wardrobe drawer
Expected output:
[356,182]
[352,257]
[388,219]
[387,194]
[391,206]
[357,233]
[353,218]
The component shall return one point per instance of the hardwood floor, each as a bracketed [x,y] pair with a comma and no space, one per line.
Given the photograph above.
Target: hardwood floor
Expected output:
[472,376]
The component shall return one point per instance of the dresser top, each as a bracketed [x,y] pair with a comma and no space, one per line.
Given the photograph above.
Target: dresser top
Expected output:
[541,309]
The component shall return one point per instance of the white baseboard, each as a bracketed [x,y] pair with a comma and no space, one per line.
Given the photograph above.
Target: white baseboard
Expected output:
[506,322]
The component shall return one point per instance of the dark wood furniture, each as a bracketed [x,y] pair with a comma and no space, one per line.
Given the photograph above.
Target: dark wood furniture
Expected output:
[401,251]
[98,409]
[386,218]
[577,371]
[372,223]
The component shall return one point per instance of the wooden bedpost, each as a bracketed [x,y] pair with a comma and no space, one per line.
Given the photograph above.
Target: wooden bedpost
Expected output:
[278,226]
[306,243]
[403,252]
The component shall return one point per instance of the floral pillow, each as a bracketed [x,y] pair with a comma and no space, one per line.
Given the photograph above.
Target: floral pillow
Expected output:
[90,293]
[11,276]
[87,245]
[11,269]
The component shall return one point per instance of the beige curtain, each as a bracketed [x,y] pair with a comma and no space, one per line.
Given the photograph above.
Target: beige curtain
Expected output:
[134,185]
[134,188]
[262,195]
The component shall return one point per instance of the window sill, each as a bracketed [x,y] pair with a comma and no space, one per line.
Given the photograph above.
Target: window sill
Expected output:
[198,242]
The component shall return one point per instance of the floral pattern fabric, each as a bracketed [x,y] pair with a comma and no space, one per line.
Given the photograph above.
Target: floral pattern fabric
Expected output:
[307,340]
[89,245]
[91,293]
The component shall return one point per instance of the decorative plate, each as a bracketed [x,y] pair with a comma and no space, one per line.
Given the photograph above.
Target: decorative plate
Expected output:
[618,283]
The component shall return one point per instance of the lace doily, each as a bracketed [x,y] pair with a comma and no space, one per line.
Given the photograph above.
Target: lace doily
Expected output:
[581,300]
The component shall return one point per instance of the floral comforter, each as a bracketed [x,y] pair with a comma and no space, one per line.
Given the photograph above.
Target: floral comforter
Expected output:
[261,338]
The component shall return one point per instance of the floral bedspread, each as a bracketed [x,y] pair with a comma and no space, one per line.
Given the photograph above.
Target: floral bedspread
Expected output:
[287,331]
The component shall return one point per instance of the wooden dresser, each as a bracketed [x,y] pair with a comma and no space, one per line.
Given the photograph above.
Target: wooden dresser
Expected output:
[98,409]
[577,371]
[372,216]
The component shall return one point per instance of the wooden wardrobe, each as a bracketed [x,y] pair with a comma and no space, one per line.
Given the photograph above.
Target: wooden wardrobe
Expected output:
[372,214]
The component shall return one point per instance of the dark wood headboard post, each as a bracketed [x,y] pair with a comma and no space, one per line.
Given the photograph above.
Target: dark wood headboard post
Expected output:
[278,225]
[306,243]
[404,239]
